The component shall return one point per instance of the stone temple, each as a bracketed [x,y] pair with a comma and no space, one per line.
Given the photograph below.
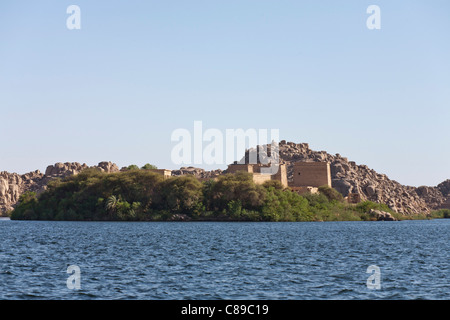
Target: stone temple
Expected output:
[307,176]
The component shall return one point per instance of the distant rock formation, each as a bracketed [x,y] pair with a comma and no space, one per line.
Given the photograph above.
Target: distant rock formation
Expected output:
[12,185]
[197,172]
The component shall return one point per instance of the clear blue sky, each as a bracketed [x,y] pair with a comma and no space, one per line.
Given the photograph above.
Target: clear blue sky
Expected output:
[137,70]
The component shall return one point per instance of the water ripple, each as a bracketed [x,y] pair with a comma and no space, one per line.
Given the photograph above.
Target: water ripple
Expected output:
[224,260]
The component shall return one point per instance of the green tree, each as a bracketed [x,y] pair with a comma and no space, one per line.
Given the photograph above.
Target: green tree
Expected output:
[180,195]
[273,183]
[233,187]
[26,207]
[285,205]
[149,166]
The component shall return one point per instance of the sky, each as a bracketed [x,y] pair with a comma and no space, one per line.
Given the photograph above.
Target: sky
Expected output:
[116,89]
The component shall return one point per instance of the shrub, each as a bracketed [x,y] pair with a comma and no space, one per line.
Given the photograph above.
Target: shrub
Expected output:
[366,206]
[149,166]
[441,214]
[234,209]
[446,213]
[273,184]
[331,194]
[285,205]
[25,209]
[234,187]
[180,195]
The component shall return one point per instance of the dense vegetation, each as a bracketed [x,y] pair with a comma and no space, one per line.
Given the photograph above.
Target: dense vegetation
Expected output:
[143,195]
[441,214]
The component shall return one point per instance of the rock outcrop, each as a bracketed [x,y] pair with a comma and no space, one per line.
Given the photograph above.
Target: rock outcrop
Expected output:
[12,185]
[444,188]
[381,215]
[63,170]
[197,172]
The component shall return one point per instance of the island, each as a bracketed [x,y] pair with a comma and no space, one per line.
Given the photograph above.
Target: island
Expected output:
[306,186]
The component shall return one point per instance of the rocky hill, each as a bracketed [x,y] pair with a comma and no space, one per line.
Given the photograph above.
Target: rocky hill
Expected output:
[350,177]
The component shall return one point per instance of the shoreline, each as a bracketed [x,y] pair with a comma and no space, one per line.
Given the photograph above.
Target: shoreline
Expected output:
[226,221]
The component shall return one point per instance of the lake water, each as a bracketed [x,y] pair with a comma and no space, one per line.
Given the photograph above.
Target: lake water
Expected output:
[209,260]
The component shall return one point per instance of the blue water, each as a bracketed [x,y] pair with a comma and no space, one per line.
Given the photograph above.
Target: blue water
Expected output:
[209,260]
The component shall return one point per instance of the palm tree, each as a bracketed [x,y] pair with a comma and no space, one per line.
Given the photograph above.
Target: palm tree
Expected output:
[111,203]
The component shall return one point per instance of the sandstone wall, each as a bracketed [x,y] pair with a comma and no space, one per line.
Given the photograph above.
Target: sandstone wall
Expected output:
[260,178]
[311,174]
[281,175]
